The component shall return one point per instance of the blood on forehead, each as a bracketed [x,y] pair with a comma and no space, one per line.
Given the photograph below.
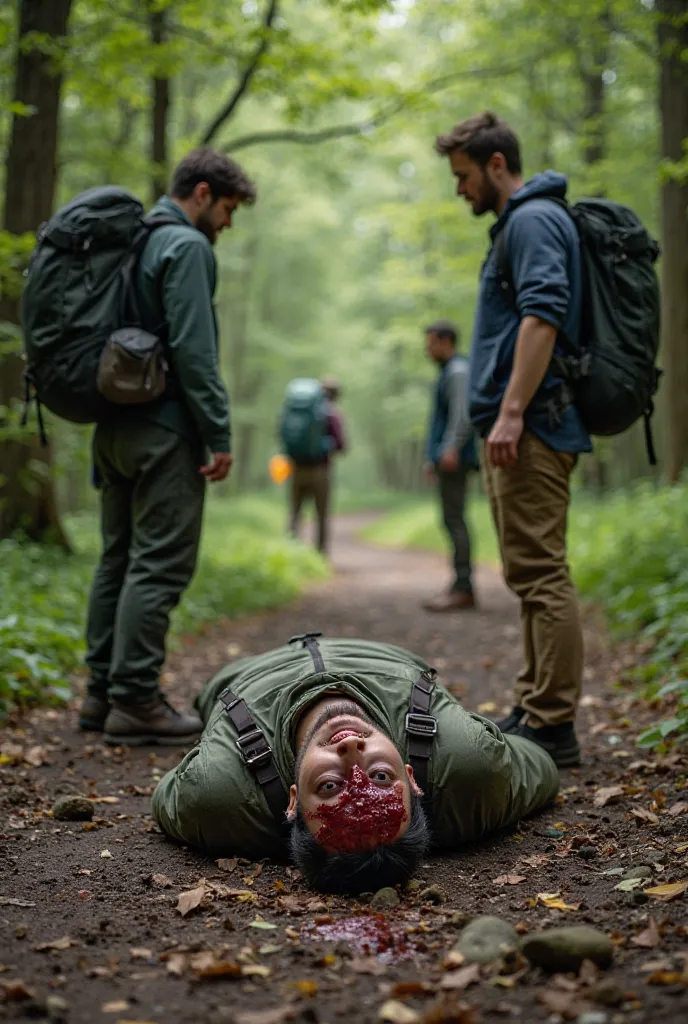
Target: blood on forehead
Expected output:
[364,816]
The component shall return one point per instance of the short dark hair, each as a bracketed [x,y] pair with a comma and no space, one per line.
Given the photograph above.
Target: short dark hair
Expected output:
[225,177]
[443,329]
[389,864]
[479,137]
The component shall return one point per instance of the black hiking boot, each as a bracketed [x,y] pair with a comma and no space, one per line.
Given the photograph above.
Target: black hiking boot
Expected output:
[156,721]
[559,741]
[93,712]
[512,722]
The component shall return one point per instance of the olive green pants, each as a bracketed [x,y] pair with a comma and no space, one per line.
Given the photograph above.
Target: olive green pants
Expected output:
[530,503]
[152,495]
[311,482]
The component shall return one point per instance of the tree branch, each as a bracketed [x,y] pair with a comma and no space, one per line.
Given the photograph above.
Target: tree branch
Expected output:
[245,79]
[340,131]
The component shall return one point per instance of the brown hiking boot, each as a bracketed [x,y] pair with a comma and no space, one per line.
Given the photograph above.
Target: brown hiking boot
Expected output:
[156,721]
[93,712]
[455,601]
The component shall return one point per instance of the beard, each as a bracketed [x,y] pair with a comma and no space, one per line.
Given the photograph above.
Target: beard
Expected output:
[205,226]
[488,199]
[341,707]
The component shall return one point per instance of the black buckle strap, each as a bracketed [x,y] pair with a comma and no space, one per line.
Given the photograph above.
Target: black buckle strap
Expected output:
[421,729]
[309,641]
[257,755]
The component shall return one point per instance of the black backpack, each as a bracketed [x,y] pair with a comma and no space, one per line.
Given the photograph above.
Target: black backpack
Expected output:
[612,377]
[79,294]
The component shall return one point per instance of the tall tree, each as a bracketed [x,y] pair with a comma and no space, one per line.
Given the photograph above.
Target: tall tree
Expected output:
[673,42]
[160,107]
[27,496]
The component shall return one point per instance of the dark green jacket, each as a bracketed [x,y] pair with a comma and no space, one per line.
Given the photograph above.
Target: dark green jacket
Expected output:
[480,780]
[175,285]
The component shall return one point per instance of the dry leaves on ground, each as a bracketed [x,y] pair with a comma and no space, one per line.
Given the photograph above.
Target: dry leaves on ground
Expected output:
[57,944]
[650,938]
[509,879]
[606,794]
[668,891]
[462,978]
[191,899]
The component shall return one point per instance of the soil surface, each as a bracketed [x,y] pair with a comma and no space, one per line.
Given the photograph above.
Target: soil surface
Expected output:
[90,928]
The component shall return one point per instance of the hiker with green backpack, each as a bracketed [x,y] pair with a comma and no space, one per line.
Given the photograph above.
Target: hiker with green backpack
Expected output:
[311,431]
[120,330]
[564,345]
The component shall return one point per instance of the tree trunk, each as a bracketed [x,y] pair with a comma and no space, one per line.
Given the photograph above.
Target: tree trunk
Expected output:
[161,104]
[673,99]
[27,493]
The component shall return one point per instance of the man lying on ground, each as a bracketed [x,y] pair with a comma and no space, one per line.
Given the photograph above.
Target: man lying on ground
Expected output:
[349,755]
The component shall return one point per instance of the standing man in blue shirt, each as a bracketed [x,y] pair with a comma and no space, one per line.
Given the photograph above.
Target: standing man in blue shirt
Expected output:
[529,302]
[450,456]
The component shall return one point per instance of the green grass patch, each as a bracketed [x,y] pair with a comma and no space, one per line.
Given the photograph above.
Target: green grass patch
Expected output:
[246,565]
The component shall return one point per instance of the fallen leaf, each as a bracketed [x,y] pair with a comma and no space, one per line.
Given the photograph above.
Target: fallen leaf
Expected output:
[36,756]
[176,964]
[668,891]
[453,959]
[642,815]
[664,978]
[509,879]
[276,1015]
[649,938]
[14,989]
[677,808]
[227,864]
[104,799]
[191,899]
[291,904]
[448,1010]
[629,884]
[682,848]
[11,901]
[219,969]
[116,1006]
[265,925]
[163,880]
[306,988]
[139,953]
[367,965]
[605,794]
[536,860]
[461,979]
[64,943]
[256,971]
[487,708]
[409,988]
[561,1002]
[106,855]
[394,1012]
[554,901]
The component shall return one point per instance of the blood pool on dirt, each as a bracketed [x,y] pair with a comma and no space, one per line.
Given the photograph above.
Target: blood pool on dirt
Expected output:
[370,935]
[364,816]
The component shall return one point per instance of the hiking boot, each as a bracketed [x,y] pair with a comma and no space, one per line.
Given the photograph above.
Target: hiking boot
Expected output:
[93,712]
[558,740]
[156,721]
[511,723]
[455,601]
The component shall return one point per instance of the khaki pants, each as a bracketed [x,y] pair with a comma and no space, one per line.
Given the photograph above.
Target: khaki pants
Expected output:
[529,505]
[311,482]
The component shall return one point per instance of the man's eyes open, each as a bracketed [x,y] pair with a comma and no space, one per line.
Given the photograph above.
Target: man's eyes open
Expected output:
[329,786]
[381,777]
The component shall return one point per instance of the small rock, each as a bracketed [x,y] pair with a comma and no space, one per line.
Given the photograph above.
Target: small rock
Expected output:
[657,856]
[21,931]
[228,924]
[57,1009]
[554,833]
[638,898]
[592,1017]
[459,919]
[414,885]
[73,808]
[365,897]
[608,993]
[588,852]
[565,949]
[385,898]
[640,871]
[486,939]
[433,894]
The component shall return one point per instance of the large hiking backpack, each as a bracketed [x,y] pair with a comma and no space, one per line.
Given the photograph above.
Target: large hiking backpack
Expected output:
[612,377]
[303,421]
[79,293]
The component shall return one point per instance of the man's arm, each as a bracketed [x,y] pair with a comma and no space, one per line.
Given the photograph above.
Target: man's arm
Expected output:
[188,286]
[335,426]
[458,427]
[538,249]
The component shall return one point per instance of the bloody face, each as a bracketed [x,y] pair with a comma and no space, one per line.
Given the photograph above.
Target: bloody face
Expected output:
[364,816]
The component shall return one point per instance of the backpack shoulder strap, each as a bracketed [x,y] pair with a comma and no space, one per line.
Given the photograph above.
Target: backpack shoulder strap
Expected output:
[257,755]
[421,729]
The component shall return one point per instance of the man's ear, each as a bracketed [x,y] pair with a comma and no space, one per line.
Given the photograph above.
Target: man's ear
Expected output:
[291,809]
[415,788]
[202,193]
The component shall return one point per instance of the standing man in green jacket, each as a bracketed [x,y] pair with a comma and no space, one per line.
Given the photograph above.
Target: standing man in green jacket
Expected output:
[152,463]
[349,755]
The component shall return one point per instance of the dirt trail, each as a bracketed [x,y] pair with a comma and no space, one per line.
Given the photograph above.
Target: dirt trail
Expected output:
[129,956]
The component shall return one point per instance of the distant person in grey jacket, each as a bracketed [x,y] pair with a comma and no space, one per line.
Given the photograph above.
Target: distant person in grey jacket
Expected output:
[450,456]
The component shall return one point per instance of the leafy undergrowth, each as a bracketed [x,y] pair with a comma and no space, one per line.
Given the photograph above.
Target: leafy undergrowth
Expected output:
[246,564]
[628,554]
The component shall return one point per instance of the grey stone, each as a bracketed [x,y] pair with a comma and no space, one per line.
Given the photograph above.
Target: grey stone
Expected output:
[639,871]
[592,1017]
[608,992]
[565,949]
[459,919]
[433,894]
[57,1009]
[414,885]
[385,898]
[486,939]
[588,852]
[657,856]
[638,898]
[73,808]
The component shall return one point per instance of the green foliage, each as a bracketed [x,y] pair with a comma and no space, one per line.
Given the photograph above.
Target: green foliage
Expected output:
[245,566]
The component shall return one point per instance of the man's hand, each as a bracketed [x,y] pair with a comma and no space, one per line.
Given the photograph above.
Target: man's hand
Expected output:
[502,442]
[218,467]
[450,461]
[429,473]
